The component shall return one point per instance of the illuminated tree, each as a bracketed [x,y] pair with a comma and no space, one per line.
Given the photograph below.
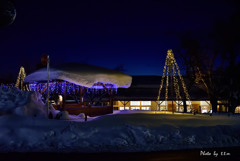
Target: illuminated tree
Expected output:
[20,79]
[171,71]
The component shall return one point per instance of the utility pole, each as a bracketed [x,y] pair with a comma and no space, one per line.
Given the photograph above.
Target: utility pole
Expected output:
[48,69]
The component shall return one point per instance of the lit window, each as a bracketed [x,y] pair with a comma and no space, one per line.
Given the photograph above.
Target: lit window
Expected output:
[133,103]
[122,108]
[145,108]
[145,103]
[180,109]
[163,108]
[237,109]
[181,102]
[163,103]
[204,103]
[135,108]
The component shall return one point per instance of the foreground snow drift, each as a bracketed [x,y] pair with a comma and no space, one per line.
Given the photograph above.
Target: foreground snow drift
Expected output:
[118,133]
[21,103]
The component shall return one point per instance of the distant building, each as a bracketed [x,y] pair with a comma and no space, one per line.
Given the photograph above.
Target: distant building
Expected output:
[83,86]
[142,95]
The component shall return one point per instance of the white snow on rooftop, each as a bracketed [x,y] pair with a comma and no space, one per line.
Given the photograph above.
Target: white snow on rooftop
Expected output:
[82,74]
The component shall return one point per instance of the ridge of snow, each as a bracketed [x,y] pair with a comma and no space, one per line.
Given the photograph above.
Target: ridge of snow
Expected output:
[121,132]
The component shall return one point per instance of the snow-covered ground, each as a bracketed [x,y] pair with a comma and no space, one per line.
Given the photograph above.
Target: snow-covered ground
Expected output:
[118,133]
[23,130]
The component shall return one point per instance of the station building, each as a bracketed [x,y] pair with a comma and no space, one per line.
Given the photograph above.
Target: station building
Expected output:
[143,92]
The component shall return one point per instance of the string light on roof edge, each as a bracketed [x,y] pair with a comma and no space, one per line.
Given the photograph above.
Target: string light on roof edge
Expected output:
[172,67]
[71,88]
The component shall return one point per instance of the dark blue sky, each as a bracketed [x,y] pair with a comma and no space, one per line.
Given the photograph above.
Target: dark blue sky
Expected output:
[135,34]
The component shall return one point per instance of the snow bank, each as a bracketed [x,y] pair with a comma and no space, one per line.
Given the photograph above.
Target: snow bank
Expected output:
[21,103]
[119,133]
[62,115]
[81,115]
[82,74]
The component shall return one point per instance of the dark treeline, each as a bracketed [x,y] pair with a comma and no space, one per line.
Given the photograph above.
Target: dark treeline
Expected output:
[212,60]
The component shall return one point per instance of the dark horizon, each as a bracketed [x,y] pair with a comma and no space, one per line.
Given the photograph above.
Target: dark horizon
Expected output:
[134,35]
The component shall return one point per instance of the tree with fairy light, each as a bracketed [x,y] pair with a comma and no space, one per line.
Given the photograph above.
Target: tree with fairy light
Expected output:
[171,72]
[20,80]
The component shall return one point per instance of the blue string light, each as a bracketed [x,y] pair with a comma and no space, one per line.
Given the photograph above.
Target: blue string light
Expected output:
[71,88]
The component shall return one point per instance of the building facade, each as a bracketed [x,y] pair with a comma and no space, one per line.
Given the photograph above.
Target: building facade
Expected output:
[142,95]
[203,106]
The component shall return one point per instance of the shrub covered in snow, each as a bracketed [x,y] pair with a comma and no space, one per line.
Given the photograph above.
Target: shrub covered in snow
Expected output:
[63,115]
[81,115]
[21,103]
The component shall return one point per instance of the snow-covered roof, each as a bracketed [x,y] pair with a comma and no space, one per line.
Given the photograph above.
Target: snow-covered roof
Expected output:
[82,74]
[147,88]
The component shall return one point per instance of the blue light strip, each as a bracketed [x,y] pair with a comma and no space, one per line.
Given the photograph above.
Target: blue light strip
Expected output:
[71,89]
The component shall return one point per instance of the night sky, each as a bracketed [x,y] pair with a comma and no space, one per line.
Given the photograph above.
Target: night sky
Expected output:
[134,34]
